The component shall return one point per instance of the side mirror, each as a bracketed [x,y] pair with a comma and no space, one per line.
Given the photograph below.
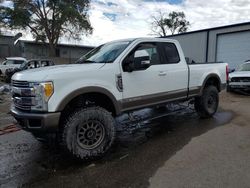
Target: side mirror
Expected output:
[142,63]
[128,65]
[145,63]
[4,63]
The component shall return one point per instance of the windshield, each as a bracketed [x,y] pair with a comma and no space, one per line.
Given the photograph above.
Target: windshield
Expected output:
[105,53]
[244,67]
[12,62]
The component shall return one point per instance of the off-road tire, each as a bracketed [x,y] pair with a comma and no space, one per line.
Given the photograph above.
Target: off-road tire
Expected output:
[83,127]
[207,104]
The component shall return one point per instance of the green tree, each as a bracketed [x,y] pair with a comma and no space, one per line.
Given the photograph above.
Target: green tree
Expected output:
[48,20]
[175,22]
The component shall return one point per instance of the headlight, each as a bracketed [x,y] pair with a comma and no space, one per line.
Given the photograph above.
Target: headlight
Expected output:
[42,93]
[229,79]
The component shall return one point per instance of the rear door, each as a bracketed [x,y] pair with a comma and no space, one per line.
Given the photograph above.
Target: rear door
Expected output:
[175,69]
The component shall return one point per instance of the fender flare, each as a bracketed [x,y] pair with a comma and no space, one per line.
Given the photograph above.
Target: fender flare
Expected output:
[85,90]
[213,75]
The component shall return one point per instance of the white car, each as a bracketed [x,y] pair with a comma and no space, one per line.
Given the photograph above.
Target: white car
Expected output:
[11,62]
[240,79]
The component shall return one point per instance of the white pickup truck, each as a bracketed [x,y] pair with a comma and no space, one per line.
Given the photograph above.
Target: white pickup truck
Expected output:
[80,101]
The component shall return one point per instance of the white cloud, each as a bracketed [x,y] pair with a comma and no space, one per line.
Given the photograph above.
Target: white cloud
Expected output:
[213,13]
[133,17]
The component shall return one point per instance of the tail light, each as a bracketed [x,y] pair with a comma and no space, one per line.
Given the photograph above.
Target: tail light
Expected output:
[227,72]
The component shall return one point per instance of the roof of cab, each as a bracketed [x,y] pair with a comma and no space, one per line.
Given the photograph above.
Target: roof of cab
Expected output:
[150,39]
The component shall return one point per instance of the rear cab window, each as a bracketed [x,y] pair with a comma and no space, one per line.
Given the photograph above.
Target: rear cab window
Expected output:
[170,52]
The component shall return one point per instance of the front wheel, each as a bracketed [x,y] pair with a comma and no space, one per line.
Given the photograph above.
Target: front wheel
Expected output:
[89,133]
[207,104]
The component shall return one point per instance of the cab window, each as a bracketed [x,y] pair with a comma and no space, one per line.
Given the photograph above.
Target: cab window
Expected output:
[143,56]
[170,52]
[147,50]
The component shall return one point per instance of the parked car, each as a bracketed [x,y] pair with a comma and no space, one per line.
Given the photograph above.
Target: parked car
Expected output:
[31,64]
[11,62]
[240,78]
[79,102]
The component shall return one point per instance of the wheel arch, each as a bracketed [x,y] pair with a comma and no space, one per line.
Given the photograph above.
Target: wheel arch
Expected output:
[88,91]
[211,79]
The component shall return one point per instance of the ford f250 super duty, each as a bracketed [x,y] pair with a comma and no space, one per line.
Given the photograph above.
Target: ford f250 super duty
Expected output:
[79,101]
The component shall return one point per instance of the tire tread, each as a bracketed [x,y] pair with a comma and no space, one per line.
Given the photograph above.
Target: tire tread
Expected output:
[70,143]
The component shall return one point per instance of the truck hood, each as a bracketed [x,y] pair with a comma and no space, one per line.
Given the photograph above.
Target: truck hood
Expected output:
[44,73]
[240,74]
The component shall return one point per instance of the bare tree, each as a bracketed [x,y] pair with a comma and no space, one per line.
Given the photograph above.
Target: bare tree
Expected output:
[175,22]
[158,25]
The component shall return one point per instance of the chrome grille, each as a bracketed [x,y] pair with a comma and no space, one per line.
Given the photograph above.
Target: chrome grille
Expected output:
[22,84]
[18,96]
[22,107]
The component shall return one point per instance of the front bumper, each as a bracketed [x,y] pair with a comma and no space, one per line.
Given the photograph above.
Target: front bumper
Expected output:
[37,122]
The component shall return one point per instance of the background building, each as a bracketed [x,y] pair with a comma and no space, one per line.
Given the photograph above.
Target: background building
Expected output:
[230,44]
[7,47]
[65,53]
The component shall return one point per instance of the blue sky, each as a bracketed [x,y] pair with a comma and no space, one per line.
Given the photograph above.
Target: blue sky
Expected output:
[118,19]
[113,16]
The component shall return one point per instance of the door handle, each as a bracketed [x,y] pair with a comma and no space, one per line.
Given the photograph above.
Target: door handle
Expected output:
[162,73]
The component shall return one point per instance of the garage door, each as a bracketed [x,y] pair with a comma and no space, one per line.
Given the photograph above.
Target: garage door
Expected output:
[233,48]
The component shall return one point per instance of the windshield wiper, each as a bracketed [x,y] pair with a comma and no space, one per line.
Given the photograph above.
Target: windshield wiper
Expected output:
[84,61]
[88,61]
[105,62]
[91,61]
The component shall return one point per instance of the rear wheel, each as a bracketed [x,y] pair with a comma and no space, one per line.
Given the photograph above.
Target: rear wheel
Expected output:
[207,104]
[89,133]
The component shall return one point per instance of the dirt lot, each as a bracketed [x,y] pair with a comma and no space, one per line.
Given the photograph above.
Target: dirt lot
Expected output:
[180,150]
